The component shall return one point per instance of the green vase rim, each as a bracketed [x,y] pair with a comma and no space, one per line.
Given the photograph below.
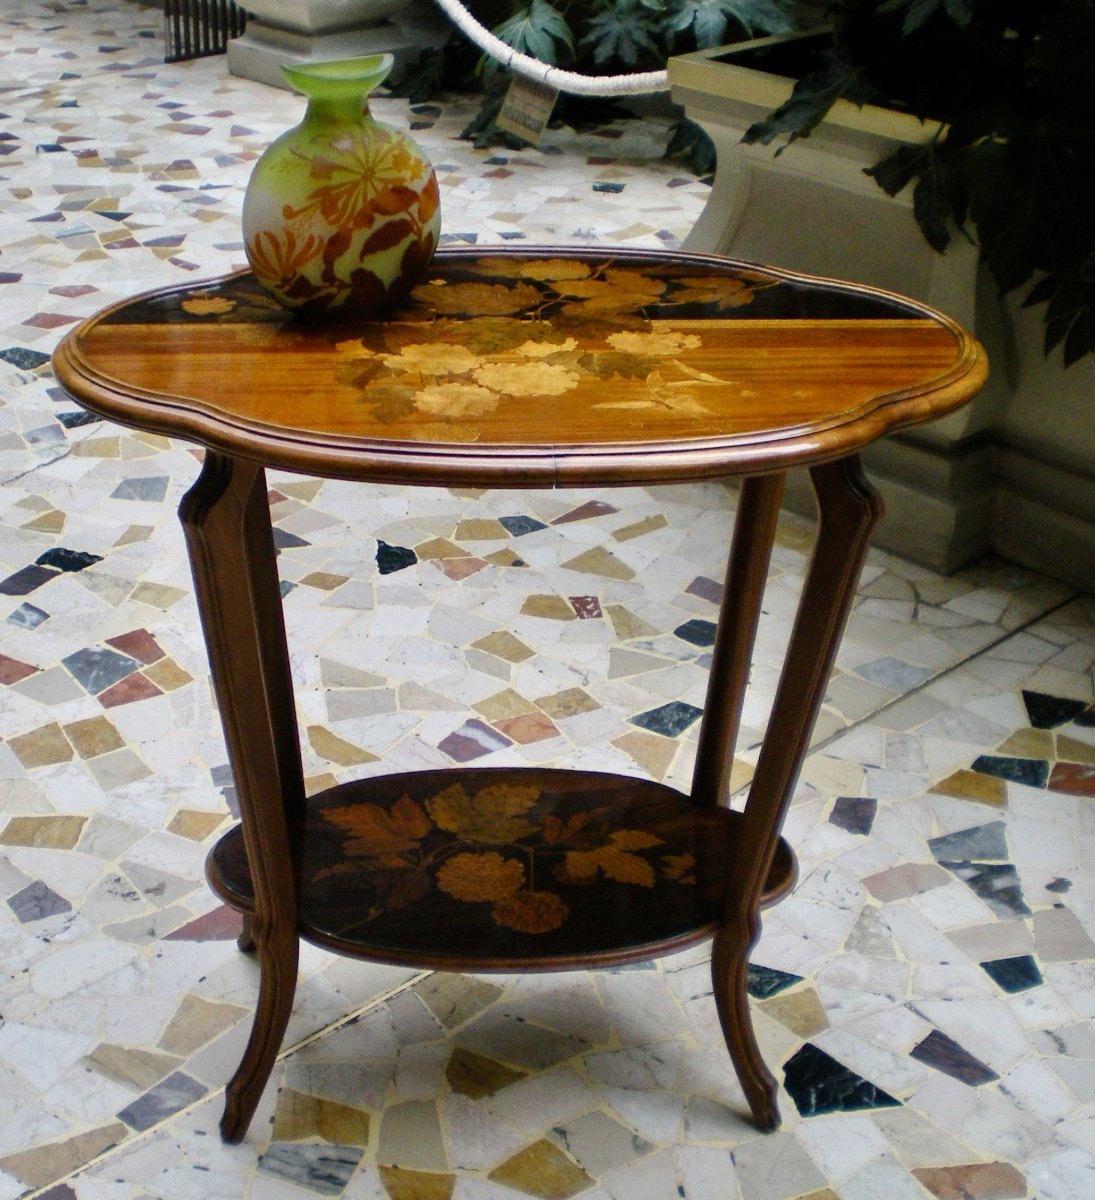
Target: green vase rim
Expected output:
[339,77]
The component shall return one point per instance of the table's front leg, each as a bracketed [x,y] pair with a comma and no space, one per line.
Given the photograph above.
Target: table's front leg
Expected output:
[849,508]
[227,521]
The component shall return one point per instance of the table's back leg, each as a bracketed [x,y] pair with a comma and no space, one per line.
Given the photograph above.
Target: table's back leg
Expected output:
[227,522]
[849,508]
[746,576]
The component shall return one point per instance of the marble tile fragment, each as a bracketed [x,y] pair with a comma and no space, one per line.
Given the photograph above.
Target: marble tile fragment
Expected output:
[1073,779]
[1033,772]
[410,1136]
[299,1116]
[819,1084]
[997,884]
[93,736]
[1013,974]
[36,902]
[697,632]
[402,1184]
[42,747]
[456,999]
[196,1022]
[163,1100]
[53,833]
[133,1067]
[973,1181]
[35,1168]
[319,1167]
[765,982]
[670,720]
[1060,937]
[982,843]
[854,814]
[908,879]
[802,1012]
[946,1055]
[1047,712]
[775,1167]
[475,1076]
[599,561]
[544,1171]
[339,750]
[599,1144]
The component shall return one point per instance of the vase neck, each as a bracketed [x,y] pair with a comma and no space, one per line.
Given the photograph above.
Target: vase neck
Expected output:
[332,110]
[337,91]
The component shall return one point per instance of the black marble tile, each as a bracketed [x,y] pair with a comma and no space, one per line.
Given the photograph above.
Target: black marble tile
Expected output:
[996,883]
[1047,712]
[946,1055]
[1032,771]
[28,616]
[670,719]
[284,540]
[96,669]
[1013,974]
[1059,885]
[321,1168]
[854,814]
[36,902]
[520,525]
[23,582]
[24,358]
[394,558]
[979,843]
[608,187]
[73,420]
[166,1098]
[697,632]
[818,1084]
[63,559]
[767,981]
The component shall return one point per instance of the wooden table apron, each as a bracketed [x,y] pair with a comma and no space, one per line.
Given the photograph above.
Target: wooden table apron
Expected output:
[540,367]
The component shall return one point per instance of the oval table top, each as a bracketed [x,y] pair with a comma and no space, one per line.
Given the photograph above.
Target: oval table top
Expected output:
[540,366]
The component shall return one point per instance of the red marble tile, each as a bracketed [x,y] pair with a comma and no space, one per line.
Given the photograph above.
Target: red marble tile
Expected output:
[460,568]
[126,691]
[223,924]
[1075,779]
[50,320]
[12,670]
[587,607]
[592,508]
[529,727]
[72,290]
[138,644]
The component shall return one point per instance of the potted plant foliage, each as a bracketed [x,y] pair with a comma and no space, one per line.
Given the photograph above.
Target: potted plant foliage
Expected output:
[978,117]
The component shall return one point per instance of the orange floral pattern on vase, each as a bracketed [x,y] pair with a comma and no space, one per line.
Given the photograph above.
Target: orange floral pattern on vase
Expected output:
[342,212]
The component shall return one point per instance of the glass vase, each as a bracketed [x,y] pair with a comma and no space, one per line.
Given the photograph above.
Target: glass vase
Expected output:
[342,212]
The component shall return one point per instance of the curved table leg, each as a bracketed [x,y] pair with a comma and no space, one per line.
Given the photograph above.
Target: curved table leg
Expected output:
[227,522]
[849,508]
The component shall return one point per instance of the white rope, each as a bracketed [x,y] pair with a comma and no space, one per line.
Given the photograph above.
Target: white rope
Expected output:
[564,81]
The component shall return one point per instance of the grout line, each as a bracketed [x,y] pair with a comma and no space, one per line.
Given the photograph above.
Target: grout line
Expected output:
[139,1136]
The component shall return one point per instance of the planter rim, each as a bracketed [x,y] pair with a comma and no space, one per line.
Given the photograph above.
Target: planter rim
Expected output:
[702,71]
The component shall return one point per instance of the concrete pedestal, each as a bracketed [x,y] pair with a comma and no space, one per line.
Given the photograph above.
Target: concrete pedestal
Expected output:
[294,31]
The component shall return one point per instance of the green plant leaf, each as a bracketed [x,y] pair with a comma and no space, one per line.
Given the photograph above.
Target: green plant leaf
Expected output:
[621,30]
[708,19]
[537,31]
[691,142]
[919,12]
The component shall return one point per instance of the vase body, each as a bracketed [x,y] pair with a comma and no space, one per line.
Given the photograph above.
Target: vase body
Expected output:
[342,212]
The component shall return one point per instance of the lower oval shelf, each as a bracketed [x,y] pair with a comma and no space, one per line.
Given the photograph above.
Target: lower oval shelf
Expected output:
[505,869]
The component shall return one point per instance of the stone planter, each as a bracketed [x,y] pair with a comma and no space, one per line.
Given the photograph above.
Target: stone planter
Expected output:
[298,31]
[1015,471]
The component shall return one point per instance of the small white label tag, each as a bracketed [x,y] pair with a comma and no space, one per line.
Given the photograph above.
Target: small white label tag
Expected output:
[526,109]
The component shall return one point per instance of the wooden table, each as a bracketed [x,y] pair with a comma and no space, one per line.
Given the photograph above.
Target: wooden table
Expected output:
[533,368]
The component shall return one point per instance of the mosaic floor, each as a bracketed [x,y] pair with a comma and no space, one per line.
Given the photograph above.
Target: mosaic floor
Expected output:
[925,995]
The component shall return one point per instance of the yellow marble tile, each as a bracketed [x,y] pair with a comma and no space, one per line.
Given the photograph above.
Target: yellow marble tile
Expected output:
[104,447]
[627,625]
[158,595]
[42,747]
[324,580]
[599,561]
[648,525]
[338,750]
[551,608]
[503,558]
[94,736]
[503,705]
[299,1116]
[194,824]
[990,1181]
[403,1184]
[137,1068]
[799,1011]
[48,522]
[1071,749]
[1029,743]
[822,1194]
[196,1022]
[972,785]
[439,548]
[47,833]
[505,646]
[46,1163]
[542,1170]
[480,529]
[135,533]
[654,754]
[567,703]
[304,489]
[455,999]
[319,783]
[472,1075]
[168,675]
